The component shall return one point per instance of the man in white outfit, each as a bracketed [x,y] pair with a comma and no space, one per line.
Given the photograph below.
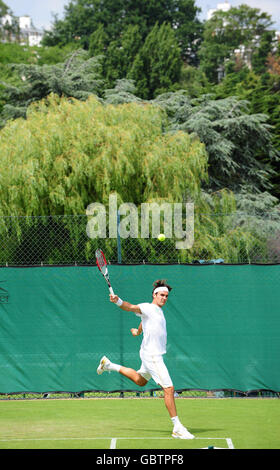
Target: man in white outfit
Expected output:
[153,326]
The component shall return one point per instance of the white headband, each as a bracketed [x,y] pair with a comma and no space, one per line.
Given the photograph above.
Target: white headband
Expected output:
[161,289]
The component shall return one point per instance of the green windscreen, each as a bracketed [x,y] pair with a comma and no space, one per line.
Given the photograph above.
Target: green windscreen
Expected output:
[223,324]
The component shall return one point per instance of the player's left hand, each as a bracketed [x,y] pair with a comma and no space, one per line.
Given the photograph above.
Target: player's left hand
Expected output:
[134,331]
[114,298]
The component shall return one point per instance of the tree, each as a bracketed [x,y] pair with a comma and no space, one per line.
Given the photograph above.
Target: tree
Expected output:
[123,92]
[194,81]
[263,51]
[61,162]
[82,18]
[262,93]
[78,77]
[239,144]
[10,27]
[157,66]
[120,55]
[4,9]
[98,41]
[273,60]
[12,53]
[237,29]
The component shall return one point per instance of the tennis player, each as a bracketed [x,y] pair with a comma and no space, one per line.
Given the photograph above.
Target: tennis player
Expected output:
[153,347]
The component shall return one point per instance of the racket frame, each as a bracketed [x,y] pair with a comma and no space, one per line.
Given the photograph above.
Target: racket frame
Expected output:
[103,268]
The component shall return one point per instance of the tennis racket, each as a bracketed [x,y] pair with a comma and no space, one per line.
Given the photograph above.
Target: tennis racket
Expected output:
[102,266]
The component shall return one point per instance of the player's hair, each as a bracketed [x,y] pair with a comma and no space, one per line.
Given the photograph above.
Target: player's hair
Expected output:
[161,283]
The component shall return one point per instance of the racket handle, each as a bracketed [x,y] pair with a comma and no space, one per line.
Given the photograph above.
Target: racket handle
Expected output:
[111,291]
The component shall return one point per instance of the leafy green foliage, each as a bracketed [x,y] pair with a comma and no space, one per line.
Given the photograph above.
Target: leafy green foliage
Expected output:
[260,55]
[194,81]
[84,18]
[11,53]
[14,53]
[78,77]
[158,64]
[3,8]
[227,31]
[67,154]
[123,92]
[262,93]
[7,28]
[238,143]
[120,55]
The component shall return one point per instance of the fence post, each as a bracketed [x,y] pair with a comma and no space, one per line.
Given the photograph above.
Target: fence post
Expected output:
[119,239]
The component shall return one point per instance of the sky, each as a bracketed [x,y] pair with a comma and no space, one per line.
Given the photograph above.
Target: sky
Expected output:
[41,11]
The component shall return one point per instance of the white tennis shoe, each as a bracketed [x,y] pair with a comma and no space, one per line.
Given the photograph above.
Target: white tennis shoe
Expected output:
[103,365]
[181,432]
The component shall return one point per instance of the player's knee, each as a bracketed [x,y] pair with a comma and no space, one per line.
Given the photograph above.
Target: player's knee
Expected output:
[169,390]
[141,381]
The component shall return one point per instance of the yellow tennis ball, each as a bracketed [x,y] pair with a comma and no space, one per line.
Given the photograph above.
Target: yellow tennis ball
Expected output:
[161,237]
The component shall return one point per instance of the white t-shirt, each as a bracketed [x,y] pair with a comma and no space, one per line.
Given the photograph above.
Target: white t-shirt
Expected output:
[154,329]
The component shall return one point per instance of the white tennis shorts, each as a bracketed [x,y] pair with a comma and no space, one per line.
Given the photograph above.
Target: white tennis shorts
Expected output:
[154,367]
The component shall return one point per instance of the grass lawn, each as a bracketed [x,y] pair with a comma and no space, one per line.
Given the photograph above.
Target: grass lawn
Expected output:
[138,423]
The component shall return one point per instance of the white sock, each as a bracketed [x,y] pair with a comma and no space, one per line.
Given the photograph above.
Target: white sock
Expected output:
[113,367]
[176,422]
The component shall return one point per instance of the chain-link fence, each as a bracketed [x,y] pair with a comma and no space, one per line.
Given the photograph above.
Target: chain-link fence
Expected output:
[63,240]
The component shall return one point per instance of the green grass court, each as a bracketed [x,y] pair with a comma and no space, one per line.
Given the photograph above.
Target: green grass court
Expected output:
[139,423]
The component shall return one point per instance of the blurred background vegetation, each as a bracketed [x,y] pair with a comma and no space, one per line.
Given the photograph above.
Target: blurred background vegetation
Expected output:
[143,100]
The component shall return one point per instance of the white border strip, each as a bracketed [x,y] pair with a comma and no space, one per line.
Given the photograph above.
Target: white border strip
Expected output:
[113,440]
[113,443]
[230,443]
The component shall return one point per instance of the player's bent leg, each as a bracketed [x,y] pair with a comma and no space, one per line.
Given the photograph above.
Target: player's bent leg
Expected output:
[170,401]
[179,431]
[133,375]
[106,365]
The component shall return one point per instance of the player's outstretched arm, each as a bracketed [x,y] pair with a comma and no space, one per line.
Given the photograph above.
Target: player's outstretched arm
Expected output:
[124,305]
